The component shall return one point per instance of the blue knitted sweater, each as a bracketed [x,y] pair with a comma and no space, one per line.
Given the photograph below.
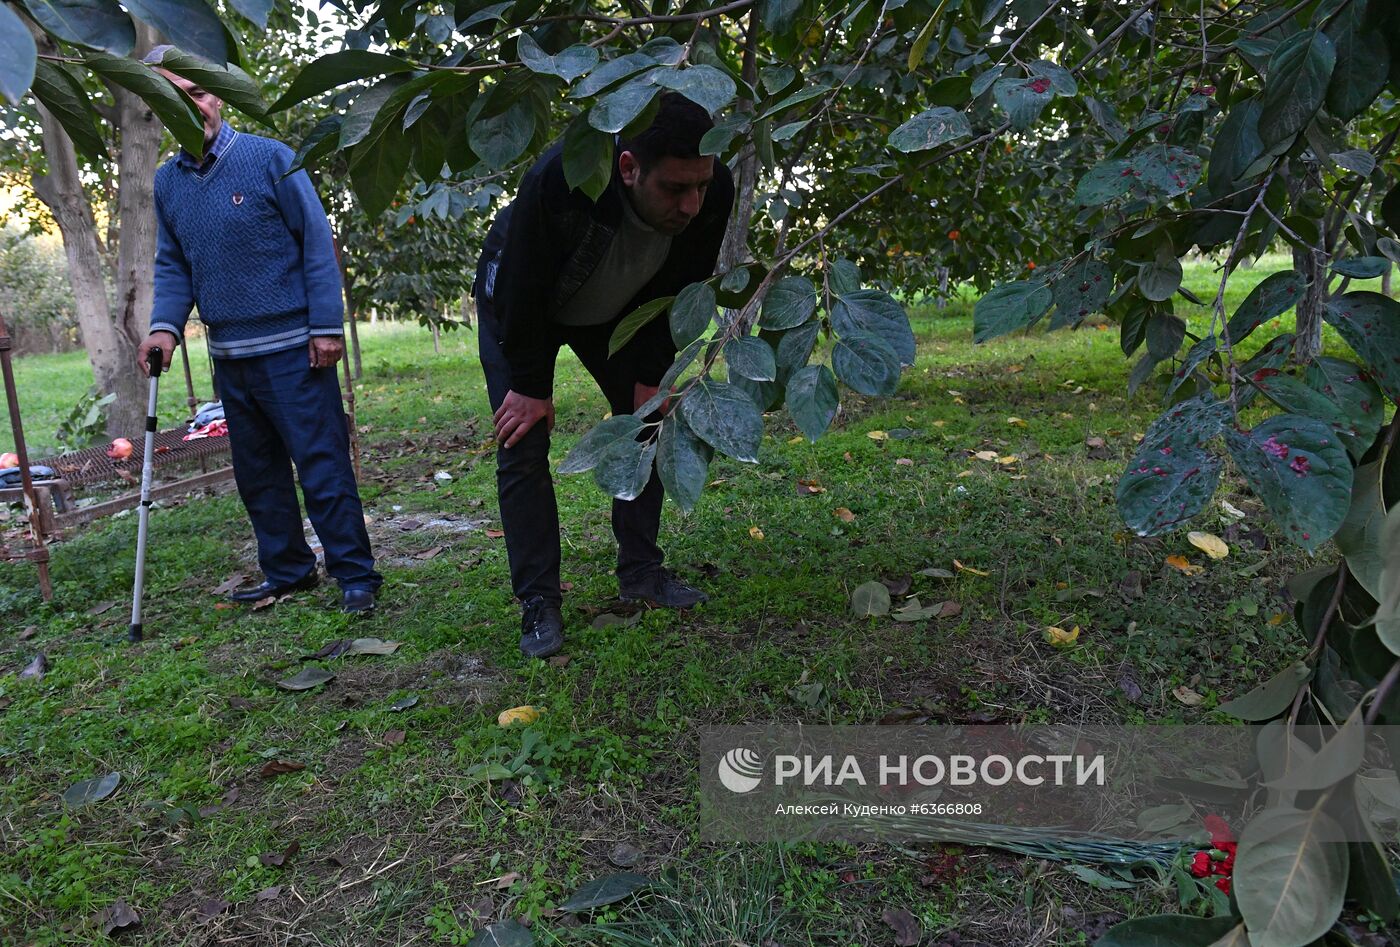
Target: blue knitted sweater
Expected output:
[248,246]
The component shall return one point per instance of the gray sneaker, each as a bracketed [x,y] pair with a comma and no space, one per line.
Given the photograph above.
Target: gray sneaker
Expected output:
[660,588]
[541,628]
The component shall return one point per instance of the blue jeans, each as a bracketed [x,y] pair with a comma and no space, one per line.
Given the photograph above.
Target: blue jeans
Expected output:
[281,411]
[525,488]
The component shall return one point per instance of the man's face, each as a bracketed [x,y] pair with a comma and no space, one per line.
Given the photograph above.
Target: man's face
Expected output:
[670,195]
[207,103]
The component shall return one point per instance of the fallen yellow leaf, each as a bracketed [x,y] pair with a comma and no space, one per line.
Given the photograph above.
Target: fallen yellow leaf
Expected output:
[903,462]
[962,568]
[987,455]
[1276,619]
[1208,543]
[525,715]
[843,514]
[1013,369]
[1179,563]
[1187,696]
[755,533]
[939,423]
[1015,422]
[955,393]
[715,483]
[1059,638]
[964,473]
[796,440]
[958,401]
[1008,459]
[877,435]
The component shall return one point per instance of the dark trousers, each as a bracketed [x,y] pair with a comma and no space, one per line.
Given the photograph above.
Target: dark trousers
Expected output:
[525,488]
[281,411]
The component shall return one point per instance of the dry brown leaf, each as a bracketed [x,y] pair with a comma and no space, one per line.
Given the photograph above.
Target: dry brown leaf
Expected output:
[277,767]
[1187,696]
[843,514]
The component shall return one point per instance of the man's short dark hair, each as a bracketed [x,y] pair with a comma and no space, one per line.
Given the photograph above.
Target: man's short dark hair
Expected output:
[674,133]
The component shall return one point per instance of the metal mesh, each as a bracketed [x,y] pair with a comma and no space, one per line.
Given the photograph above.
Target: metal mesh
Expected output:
[92,465]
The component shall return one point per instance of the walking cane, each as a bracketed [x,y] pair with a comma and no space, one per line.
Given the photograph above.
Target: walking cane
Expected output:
[154,362]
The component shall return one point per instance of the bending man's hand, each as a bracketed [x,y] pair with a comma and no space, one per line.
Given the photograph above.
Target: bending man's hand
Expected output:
[641,394]
[518,413]
[160,340]
[325,350]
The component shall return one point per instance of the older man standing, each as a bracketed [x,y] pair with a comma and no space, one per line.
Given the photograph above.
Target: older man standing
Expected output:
[250,246]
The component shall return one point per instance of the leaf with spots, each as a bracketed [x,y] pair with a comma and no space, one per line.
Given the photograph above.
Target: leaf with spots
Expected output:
[1360,398]
[1370,324]
[1160,490]
[1299,469]
[1270,299]
[1195,357]
[1186,426]
[1273,355]
[1023,99]
[1081,291]
[1295,397]
[726,418]
[1008,307]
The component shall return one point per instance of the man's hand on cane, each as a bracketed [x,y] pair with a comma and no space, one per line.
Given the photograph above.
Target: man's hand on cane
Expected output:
[161,341]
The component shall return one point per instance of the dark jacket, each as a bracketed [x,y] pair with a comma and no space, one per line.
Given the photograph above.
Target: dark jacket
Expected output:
[544,245]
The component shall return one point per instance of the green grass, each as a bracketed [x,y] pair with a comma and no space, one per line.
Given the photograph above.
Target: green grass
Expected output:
[423,851]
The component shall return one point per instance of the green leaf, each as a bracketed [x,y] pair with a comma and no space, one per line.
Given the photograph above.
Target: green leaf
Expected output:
[1082,291]
[984,81]
[1348,419]
[1236,147]
[1362,267]
[1360,537]
[691,313]
[319,142]
[877,312]
[795,347]
[790,302]
[588,158]
[502,138]
[97,24]
[228,82]
[1337,759]
[866,363]
[616,110]
[1008,307]
[64,97]
[1290,876]
[610,72]
[1160,490]
[306,679]
[726,418]
[1061,79]
[683,461]
[606,890]
[1164,335]
[778,16]
[254,11]
[1298,75]
[1159,280]
[1023,99]
[706,86]
[1277,294]
[504,933]
[189,24]
[589,451]
[1271,698]
[363,114]
[172,106]
[1168,930]
[929,129]
[569,64]
[870,599]
[812,399]
[1371,881]
[634,322]
[1363,63]
[18,56]
[843,277]
[376,173]
[1164,171]
[625,467]
[1370,324]
[328,72]
[751,358]
[1388,610]
[1299,469]
[1195,357]
[88,791]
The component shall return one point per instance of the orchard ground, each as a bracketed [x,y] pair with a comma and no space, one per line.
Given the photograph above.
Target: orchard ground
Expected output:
[401,839]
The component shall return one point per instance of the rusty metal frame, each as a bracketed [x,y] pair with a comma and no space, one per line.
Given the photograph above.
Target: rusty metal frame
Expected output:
[39,553]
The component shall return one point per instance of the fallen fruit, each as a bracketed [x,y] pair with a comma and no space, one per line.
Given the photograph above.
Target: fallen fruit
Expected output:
[120,449]
[523,715]
[8,460]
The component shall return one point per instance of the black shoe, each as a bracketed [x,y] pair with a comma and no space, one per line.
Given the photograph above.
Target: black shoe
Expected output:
[261,591]
[357,601]
[541,628]
[660,588]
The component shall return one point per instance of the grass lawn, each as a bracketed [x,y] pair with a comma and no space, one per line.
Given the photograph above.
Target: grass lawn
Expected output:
[400,839]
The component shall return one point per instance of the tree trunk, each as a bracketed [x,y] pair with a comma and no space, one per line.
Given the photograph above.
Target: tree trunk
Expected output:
[110,353]
[1385,279]
[140,133]
[735,250]
[1308,324]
